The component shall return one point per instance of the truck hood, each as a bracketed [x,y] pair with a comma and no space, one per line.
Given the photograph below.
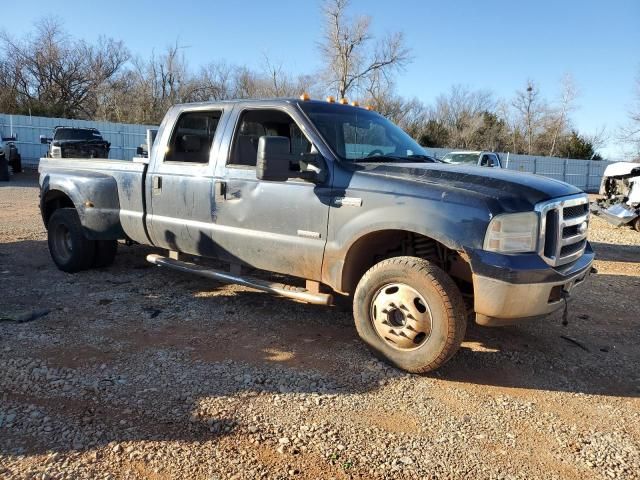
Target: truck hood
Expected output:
[491,183]
[92,141]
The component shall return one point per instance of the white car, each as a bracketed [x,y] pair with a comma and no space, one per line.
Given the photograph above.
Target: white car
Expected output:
[482,159]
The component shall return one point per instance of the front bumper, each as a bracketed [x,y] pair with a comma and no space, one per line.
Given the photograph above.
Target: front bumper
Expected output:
[500,302]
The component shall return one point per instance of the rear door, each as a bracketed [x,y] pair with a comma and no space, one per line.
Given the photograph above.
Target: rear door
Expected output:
[275,226]
[180,184]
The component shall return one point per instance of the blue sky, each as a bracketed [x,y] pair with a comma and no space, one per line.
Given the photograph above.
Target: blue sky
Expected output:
[493,45]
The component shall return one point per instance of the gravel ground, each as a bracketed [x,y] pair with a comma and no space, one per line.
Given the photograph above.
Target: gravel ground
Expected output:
[138,372]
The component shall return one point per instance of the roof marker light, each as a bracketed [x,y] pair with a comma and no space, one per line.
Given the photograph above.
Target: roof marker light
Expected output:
[369,107]
[343,101]
[331,99]
[304,97]
[355,104]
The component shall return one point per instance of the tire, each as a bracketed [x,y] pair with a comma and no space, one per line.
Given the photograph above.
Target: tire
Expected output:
[417,327]
[105,253]
[636,224]
[4,169]
[16,164]
[70,250]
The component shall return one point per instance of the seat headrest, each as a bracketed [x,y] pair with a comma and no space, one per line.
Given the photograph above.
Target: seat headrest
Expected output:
[191,143]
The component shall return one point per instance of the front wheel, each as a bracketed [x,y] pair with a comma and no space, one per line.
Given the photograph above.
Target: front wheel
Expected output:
[410,312]
[70,250]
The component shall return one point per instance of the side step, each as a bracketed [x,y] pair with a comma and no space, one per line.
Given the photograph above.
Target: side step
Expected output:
[271,287]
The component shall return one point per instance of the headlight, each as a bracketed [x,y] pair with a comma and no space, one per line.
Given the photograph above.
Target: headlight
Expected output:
[512,233]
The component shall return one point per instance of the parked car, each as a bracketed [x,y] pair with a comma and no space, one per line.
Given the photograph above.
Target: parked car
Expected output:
[482,159]
[9,150]
[344,200]
[73,142]
[620,190]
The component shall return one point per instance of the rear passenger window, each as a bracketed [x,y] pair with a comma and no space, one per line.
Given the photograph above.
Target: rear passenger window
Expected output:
[254,124]
[192,137]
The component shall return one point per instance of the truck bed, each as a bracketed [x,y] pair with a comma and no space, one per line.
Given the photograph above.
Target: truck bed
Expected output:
[114,187]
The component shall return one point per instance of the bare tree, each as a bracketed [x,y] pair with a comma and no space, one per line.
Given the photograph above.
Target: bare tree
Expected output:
[346,48]
[566,103]
[52,74]
[462,112]
[527,103]
[630,133]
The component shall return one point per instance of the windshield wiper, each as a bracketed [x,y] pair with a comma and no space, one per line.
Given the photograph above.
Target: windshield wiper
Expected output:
[378,158]
[421,157]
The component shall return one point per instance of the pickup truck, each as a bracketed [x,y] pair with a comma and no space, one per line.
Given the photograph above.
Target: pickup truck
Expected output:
[76,142]
[341,201]
[9,155]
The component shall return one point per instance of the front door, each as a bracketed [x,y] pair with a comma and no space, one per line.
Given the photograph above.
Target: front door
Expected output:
[275,226]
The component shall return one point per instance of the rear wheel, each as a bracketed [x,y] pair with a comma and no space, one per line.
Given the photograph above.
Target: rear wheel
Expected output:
[70,250]
[410,312]
[16,163]
[105,253]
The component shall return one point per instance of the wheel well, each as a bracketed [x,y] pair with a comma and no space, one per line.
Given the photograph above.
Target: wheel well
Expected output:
[54,200]
[375,247]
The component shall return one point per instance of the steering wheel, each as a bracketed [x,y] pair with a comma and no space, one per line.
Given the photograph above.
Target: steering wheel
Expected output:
[375,153]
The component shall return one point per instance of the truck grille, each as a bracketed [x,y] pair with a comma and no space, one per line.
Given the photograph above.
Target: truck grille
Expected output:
[563,229]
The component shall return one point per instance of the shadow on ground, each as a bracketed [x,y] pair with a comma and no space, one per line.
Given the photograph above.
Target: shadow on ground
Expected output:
[617,253]
[134,314]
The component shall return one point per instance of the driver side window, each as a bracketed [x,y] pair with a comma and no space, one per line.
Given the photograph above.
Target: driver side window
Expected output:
[254,124]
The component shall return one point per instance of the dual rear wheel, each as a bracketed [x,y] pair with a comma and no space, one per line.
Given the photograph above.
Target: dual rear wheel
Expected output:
[70,250]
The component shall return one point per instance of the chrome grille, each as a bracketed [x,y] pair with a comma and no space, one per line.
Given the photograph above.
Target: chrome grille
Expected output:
[563,237]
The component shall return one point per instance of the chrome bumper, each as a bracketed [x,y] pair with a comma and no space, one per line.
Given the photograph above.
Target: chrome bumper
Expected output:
[501,303]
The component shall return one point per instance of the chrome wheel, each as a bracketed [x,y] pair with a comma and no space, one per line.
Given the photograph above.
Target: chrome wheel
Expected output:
[401,316]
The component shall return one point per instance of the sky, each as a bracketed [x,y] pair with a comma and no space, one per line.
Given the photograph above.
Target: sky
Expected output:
[484,44]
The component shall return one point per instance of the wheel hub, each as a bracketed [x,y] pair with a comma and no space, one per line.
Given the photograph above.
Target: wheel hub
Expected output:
[401,316]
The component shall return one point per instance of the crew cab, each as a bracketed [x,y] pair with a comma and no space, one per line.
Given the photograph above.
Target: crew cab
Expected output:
[341,201]
[481,159]
[76,142]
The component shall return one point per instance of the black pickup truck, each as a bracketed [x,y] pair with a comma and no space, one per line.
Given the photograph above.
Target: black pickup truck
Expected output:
[75,142]
[340,198]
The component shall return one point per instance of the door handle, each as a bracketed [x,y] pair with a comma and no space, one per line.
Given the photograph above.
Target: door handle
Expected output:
[220,191]
[157,183]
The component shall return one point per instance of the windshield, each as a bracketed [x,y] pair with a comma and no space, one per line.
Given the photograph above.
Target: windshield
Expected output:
[471,158]
[360,135]
[76,134]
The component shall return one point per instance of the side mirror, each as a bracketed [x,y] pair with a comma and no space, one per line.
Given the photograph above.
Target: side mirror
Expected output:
[44,139]
[273,159]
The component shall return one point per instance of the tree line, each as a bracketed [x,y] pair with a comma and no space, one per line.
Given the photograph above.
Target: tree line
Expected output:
[50,73]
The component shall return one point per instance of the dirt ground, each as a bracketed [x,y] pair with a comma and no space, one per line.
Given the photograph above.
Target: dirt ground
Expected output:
[138,372]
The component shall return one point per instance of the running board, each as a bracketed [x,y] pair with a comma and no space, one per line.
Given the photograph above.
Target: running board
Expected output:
[271,287]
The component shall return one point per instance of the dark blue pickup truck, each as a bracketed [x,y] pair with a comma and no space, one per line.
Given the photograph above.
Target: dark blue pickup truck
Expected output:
[340,198]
